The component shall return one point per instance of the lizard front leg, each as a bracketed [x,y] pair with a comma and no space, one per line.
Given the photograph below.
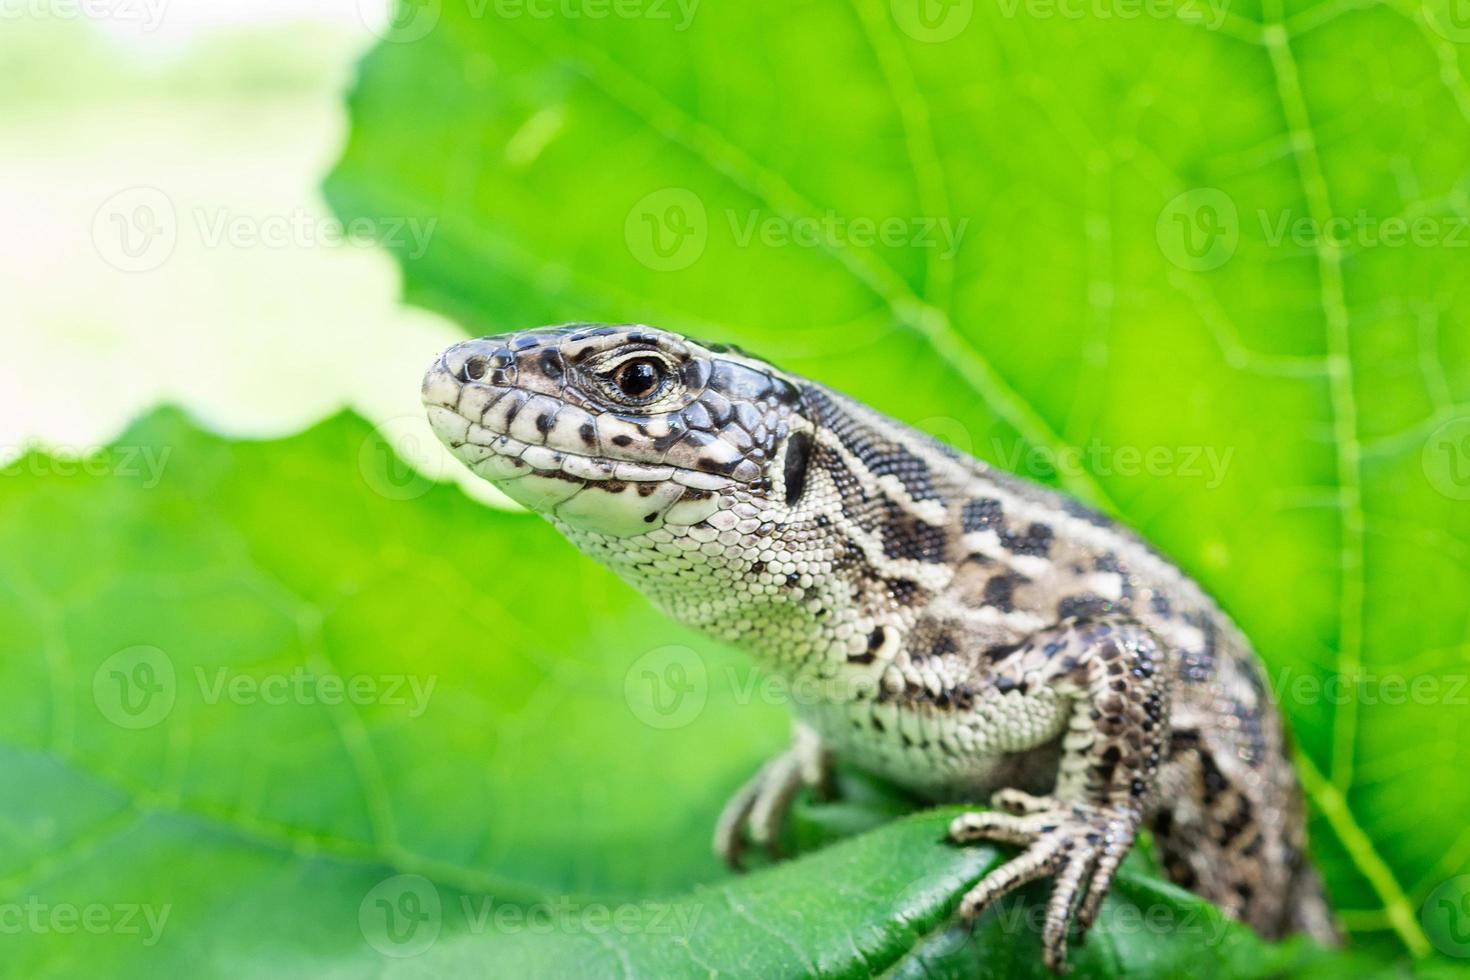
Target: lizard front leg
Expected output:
[760,806]
[1110,673]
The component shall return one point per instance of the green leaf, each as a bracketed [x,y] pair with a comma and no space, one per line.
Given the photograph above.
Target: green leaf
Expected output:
[286,707]
[294,654]
[852,911]
[299,714]
[1186,284]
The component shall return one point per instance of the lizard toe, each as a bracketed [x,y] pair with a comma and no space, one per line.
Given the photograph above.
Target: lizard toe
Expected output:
[758,810]
[993,825]
[1020,802]
[1079,845]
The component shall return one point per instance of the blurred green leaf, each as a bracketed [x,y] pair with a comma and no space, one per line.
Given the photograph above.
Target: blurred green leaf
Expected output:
[1195,262]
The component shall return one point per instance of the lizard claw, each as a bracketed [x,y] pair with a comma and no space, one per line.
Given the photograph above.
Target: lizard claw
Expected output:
[759,808]
[1079,845]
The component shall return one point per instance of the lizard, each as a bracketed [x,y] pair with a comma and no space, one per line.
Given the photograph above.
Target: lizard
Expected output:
[973,635]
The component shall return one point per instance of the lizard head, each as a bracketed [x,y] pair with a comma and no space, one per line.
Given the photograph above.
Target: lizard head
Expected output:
[620,430]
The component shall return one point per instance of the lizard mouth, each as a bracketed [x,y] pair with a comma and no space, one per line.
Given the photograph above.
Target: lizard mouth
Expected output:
[501,457]
[547,455]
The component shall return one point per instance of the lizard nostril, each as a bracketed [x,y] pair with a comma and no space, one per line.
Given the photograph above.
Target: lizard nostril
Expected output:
[475,368]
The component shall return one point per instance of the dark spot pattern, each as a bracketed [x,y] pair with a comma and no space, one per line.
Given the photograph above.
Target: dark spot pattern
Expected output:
[981,515]
[1000,590]
[907,537]
[798,458]
[1086,605]
[550,364]
[901,590]
[1035,540]
[881,456]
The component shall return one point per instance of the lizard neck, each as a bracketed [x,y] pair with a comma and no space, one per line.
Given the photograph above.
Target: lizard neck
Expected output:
[830,581]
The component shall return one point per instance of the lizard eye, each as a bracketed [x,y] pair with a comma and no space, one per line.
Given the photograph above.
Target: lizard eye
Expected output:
[641,378]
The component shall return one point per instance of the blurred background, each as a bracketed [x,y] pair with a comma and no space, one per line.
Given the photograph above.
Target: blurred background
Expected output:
[165,223]
[281,695]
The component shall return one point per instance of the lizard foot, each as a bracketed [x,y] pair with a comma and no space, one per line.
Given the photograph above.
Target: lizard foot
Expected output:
[1080,845]
[759,807]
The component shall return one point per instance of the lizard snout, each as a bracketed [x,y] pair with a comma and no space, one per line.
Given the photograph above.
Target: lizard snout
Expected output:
[481,361]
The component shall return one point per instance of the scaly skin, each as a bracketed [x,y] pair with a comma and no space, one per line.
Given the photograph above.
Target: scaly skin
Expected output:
[974,636]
